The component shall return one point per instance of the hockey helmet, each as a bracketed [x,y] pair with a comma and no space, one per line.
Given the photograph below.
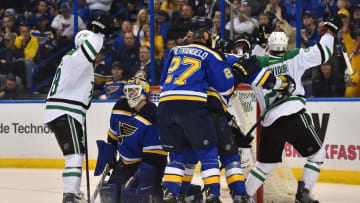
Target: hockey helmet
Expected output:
[224,45]
[136,90]
[242,44]
[80,37]
[278,41]
[199,25]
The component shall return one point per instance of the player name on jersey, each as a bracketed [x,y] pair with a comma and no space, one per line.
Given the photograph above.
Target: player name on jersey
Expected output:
[191,51]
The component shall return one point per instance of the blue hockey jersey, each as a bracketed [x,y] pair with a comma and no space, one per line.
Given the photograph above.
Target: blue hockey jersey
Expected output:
[137,133]
[190,69]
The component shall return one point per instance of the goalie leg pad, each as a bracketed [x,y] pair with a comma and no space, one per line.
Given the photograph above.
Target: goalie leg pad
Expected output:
[106,154]
[108,193]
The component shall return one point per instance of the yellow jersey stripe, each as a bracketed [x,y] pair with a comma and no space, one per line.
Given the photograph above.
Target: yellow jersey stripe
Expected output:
[167,98]
[187,178]
[215,94]
[122,112]
[211,180]
[173,178]
[114,137]
[234,178]
[264,78]
[217,55]
[131,162]
[156,152]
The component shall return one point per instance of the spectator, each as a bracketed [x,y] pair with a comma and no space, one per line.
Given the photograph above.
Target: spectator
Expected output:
[170,43]
[144,64]
[45,37]
[141,20]
[42,7]
[310,34]
[328,83]
[63,23]
[241,24]
[8,23]
[180,24]
[12,58]
[217,24]
[114,88]
[11,90]
[285,27]
[257,7]
[128,55]
[29,45]
[158,40]
[169,6]
[98,7]
[157,6]
[163,21]
[84,11]
[102,74]
[270,7]
[119,41]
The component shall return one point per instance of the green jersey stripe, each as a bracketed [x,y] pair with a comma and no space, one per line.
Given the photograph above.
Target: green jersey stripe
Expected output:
[64,108]
[88,44]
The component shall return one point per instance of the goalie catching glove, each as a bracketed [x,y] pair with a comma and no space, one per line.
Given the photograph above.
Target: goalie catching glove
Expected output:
[289,86]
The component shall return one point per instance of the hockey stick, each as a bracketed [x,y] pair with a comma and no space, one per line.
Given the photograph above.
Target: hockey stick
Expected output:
[241,13]
[340,41]
[211,8]
[87,163]
[100,183]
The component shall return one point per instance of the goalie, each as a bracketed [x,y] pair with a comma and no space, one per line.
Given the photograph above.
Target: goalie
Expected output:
[133,131]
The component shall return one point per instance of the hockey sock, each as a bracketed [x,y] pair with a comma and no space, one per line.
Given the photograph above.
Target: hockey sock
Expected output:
[310,174]
[234,174]
[312,167]
[210,171]
[258,175]
[188,175]
[174,171]
[72,173]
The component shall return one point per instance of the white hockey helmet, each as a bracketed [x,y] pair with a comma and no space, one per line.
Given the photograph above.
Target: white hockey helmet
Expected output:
[80,37]
[136,90]
[278,41]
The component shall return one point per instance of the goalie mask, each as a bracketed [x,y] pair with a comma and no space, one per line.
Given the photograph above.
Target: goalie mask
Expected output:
[136,90]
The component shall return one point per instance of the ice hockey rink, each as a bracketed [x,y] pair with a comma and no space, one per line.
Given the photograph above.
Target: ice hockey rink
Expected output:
[45,186]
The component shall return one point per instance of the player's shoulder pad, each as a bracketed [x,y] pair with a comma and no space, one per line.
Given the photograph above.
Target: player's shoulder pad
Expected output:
[213,51]
[149,112]
[122,104]
[218,52]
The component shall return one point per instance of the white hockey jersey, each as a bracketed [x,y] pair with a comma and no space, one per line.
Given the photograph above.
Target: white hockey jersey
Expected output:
[72,87]
[294,63]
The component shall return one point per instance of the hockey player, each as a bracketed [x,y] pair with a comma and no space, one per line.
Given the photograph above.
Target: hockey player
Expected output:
[134,131]
[67,102]
[66,105]
[284,117]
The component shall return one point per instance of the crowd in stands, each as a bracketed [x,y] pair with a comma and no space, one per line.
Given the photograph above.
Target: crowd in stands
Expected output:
[33,30]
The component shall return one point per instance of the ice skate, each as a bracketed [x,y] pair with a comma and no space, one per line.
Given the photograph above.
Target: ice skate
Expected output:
[71,198]
[303,194]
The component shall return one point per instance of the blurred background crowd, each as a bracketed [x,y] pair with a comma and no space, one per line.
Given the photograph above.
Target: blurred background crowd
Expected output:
[32,31]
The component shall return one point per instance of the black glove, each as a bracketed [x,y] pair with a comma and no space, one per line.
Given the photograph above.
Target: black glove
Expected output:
[290,88]
[263,34]
[240,139]
[224,45]
[333,24]
[102,24]
[245,67]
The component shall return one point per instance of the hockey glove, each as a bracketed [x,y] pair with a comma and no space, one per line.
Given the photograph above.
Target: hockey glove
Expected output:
[106,154]
[240,139]
[333,25]
[102,24]
[224,45]
[263,35]
[245,67]
[289,88]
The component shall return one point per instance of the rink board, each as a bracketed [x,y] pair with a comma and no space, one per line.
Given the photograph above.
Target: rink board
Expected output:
[26,142]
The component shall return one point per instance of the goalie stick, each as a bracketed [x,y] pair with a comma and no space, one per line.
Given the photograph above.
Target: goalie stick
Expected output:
[100,183]
[340,41]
